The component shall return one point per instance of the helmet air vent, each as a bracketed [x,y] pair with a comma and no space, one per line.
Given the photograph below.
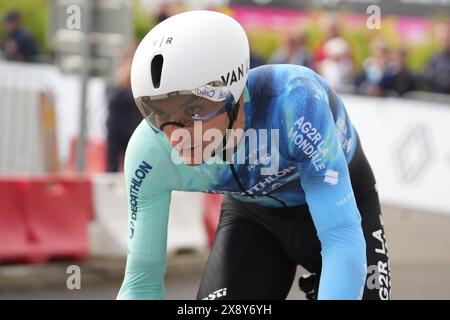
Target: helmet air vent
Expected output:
[156,70]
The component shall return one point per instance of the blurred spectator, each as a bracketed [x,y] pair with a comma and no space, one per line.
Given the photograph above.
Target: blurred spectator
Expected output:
[437,72]
[337,67]
[374,67]
[397,78]
[330,26]
[17,44]
[294,51]
[123,117]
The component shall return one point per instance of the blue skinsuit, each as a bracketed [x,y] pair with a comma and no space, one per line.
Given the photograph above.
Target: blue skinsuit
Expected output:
[316,142]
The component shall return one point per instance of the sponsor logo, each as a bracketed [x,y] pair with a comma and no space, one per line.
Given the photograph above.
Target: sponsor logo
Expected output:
[216,294]
[235,75]
[211,93]
[162,40]
[269,184]
[309,141]
[342,130]
[414,154]
[344,200]
[379,274]
[349,145]
[331,177]
[269,181]
[135,185]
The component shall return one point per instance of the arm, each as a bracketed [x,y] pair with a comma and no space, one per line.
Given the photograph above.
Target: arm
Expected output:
[148,208]
[326,182]
[339,230]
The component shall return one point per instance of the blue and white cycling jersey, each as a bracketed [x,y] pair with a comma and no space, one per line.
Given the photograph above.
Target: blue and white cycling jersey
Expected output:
[311,141]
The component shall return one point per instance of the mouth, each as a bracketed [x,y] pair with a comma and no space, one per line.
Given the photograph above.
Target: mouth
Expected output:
[191,149]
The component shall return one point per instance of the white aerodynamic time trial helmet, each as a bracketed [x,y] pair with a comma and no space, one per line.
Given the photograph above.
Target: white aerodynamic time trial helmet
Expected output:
[200,53]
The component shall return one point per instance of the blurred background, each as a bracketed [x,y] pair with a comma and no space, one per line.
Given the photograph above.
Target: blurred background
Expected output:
[67,113]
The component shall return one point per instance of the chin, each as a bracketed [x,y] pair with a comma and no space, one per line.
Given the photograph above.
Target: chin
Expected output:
[193,164]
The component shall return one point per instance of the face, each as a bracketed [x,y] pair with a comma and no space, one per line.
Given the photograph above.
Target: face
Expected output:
[12,25]
[174,115]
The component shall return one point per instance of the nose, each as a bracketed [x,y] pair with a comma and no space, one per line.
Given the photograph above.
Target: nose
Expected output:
[174,134]
[168,132]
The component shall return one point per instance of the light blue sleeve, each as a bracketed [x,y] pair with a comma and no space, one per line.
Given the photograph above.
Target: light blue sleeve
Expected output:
[325,179]
[149,192]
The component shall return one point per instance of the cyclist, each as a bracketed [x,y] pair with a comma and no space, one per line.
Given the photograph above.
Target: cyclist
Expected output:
[308,197]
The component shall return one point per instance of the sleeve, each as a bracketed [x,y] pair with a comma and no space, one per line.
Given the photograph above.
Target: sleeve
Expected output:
[148,196]
[314,144]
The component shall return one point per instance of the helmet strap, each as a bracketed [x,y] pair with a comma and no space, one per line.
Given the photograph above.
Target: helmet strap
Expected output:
[232,116]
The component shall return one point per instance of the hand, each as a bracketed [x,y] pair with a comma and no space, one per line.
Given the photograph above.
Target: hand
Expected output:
[309,285]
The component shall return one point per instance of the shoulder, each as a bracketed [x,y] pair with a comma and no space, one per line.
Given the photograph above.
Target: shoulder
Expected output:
[282,93]
[284,89]
[145,145]
[301,92]
[281,79]
[148,161]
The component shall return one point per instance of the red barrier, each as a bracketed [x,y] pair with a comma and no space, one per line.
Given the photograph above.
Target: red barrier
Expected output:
[213,203]
[58,212]
[13,226]
[53,213]
[96,155]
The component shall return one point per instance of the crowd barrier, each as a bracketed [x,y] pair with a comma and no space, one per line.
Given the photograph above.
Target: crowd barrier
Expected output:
[44,218]
[109,230]
[212,204]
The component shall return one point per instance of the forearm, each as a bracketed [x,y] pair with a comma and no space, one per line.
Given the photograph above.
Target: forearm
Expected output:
[143,285]
[146,259]
[344,265]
